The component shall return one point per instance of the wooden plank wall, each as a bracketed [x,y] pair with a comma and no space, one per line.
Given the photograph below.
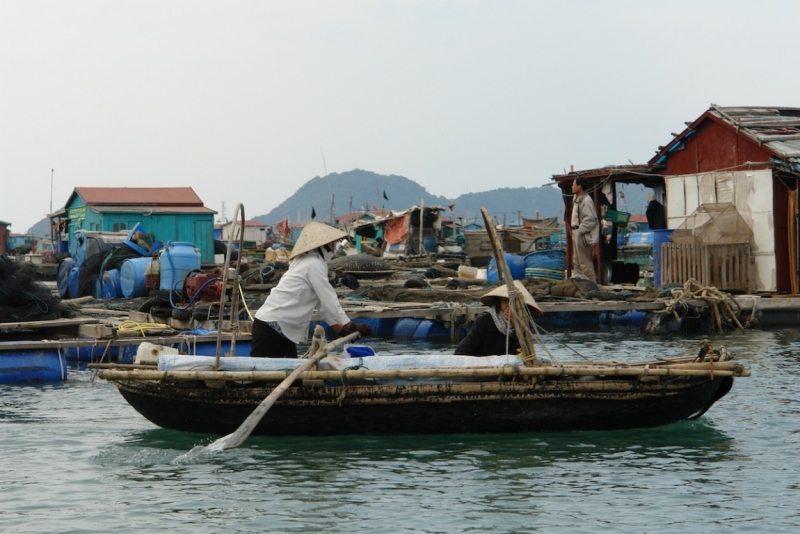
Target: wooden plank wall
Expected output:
[726,267]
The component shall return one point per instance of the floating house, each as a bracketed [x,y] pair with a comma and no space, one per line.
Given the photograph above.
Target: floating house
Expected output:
[746,157]
[255,232]
[168,213]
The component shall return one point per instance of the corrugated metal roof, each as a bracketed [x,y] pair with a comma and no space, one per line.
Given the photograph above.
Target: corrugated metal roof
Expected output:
[776,128]
[157,196]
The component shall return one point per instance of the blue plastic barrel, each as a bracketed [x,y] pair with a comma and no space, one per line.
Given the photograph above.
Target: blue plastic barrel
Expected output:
[62,276]
[430,244]
[73,282]
[131,277]
[548,264]
[109,285]
[516,264]
[176,261]
[659,237]
[406,327]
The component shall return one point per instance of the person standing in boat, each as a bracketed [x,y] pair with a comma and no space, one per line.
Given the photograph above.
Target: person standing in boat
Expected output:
[585,230]
[282,321]
[492,333]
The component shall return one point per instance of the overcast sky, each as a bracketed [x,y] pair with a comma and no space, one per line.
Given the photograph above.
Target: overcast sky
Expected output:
[240,100]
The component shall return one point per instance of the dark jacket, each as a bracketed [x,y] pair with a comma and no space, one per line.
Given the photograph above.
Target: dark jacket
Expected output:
[484,339]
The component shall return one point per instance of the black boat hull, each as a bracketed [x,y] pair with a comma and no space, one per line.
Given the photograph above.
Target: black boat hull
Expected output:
[488,407]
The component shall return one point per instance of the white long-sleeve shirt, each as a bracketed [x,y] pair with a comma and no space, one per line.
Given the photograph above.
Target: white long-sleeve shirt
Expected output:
[302,288]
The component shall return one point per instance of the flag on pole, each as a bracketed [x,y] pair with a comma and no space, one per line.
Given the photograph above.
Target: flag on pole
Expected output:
[384,195]
[283,228]
[313,213]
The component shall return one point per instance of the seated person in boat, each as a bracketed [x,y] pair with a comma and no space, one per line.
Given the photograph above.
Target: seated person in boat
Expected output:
[493,332]
[282,321]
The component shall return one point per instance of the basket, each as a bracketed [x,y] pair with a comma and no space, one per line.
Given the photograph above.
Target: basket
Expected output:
[620,218]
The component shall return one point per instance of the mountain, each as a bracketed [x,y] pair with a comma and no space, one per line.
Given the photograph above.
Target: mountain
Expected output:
[358,189]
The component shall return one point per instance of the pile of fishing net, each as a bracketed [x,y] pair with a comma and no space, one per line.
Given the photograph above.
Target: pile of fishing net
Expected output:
[24,299]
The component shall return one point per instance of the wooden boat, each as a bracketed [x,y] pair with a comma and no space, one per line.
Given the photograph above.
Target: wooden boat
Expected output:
[553,397]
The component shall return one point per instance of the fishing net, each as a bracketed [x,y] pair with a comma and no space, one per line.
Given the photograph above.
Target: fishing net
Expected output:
[23,299]
[393,293]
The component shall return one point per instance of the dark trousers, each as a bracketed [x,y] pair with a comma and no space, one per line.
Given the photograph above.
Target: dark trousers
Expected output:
[267,343]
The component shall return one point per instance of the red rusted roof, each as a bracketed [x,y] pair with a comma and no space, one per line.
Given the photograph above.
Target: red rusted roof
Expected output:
[147,209]
[156,196]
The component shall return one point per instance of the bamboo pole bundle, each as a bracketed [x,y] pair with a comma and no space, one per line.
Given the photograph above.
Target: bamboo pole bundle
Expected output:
[364,374]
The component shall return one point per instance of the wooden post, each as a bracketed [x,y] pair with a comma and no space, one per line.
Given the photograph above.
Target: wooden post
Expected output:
[517,303]
[421,223]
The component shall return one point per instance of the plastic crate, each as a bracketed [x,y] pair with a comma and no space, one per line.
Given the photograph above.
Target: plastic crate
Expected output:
[620,218]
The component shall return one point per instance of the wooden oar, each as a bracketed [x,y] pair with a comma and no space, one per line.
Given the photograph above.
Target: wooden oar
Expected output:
[246,428]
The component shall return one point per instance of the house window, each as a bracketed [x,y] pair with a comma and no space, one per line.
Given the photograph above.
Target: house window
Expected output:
[119,227]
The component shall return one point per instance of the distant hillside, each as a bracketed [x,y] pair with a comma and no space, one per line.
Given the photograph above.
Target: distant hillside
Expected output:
[358,189]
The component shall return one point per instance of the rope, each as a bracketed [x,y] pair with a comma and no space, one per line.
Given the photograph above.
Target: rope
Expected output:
[721,305]
[133,326]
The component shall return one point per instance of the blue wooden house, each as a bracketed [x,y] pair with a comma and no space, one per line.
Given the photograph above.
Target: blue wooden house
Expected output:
[169,213]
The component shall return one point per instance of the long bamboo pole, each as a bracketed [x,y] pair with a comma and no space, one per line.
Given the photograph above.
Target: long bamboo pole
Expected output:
[519,313]
[248,425]
[359,374]
[234,321]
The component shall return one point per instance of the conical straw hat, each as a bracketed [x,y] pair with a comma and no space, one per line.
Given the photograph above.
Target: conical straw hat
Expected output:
[490,298]
[315,235]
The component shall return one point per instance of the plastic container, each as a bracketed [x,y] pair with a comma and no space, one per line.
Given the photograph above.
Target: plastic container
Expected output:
[547,264]
[659,237]
[465,271]
[406,327]
[62,276]
[620,218]
[109,285]
[516,264]
[430,244]
[176,261]
[74,280]
[131,277]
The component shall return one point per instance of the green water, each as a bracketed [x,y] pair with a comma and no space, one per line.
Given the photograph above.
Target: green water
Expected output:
[75,457]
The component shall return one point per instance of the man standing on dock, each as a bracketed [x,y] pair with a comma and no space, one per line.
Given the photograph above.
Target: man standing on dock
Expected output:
[585,230]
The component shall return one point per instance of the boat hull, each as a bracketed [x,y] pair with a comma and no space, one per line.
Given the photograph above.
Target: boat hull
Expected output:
[488,407]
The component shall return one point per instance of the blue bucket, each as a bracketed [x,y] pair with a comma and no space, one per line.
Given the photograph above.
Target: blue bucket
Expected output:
[109,285]
[659,237]
[131,277]
[176,261]
[62,276]
[516,264]
[548,264]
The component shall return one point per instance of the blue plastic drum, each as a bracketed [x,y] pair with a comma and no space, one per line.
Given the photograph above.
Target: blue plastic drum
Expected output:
[516,264]
[62,276]
[109,285]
